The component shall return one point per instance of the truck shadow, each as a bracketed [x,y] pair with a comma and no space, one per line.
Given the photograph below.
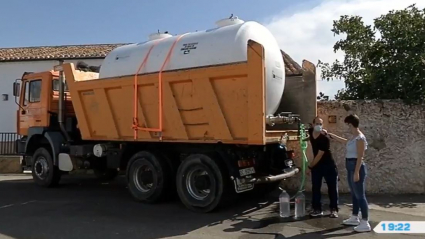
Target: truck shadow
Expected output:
[88,208]
[84,207]
[323,234]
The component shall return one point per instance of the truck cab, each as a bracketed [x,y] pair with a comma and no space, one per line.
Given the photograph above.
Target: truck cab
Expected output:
[38,101]
[37,96]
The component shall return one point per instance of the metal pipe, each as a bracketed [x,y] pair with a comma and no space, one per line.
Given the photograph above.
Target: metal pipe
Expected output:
[269,179]
[61,115]
[282,119]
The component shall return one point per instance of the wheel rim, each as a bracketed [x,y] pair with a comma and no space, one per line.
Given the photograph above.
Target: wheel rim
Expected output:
[198,183]
[143,178]
[41,167]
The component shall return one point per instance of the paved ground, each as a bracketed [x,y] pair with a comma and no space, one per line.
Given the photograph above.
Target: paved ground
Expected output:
[87,208]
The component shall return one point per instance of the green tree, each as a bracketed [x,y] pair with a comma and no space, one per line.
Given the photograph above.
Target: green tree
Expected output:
[386,61]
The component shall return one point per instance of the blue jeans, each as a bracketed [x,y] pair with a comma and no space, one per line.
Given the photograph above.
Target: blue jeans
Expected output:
[330,173]
[357,189]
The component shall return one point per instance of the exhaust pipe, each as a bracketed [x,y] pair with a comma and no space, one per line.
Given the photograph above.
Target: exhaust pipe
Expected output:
[270,179]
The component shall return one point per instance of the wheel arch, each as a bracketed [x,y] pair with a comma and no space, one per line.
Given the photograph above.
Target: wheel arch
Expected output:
[39,137]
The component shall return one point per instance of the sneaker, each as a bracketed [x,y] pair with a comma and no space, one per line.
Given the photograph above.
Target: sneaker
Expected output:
[352,221]
[364,226]
[334,214]
[316,213]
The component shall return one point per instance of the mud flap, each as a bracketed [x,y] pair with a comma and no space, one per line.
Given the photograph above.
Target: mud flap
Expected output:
[65,162]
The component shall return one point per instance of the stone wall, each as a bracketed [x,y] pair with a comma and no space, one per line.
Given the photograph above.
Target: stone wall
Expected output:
[10,164]
[396,136]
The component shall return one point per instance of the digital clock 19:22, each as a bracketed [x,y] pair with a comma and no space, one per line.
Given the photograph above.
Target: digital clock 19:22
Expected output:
[402,227]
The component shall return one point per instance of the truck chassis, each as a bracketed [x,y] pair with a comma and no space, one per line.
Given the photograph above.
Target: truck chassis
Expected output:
[204,175]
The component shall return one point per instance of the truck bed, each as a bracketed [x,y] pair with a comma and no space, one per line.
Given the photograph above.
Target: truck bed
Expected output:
[224,103]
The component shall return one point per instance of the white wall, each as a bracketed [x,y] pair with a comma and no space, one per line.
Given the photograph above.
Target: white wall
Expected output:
[9,71]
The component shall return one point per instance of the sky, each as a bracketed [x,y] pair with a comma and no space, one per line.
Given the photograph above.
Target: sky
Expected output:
[301,27]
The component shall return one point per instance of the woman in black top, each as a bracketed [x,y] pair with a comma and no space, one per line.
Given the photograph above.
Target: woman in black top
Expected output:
[322,166]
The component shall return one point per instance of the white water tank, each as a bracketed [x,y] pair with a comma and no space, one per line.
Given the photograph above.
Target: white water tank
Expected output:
[224,44]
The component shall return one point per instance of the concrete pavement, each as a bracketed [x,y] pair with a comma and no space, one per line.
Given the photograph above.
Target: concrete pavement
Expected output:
[87,208]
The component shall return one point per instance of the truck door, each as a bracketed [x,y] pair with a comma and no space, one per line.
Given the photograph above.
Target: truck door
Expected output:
[31,113]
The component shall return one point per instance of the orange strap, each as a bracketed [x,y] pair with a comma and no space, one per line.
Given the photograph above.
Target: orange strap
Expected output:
[160,96]
[136,96]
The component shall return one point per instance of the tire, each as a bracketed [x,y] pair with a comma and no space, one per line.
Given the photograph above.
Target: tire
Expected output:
[159,177]
[44,173]
[196,197]
[106,174]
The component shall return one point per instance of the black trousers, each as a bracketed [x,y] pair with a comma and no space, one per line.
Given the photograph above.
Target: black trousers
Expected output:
[330,173]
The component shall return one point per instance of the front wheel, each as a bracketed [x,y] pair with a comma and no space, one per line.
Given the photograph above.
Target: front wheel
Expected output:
[200,183]
[44,173]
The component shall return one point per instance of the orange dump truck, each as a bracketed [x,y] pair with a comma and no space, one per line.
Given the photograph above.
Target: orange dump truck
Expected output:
[182,117]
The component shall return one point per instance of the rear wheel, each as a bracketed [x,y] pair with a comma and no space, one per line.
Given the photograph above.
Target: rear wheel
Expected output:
[44,172]
[149,177]
[200,183]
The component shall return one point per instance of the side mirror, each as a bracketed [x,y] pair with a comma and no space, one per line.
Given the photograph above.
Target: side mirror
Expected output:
[16,89]
[16,93]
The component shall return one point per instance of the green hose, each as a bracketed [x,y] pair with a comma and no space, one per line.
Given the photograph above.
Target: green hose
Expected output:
[303,145]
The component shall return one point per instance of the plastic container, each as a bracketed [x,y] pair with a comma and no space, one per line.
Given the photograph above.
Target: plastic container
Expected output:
[284,204]
[300,205]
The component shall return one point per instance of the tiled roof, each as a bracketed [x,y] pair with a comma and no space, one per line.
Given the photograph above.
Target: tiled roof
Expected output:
[92,51]
[56,52]
[292,68]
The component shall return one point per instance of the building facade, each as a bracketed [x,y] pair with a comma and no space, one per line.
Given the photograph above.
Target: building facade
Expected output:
[15,61]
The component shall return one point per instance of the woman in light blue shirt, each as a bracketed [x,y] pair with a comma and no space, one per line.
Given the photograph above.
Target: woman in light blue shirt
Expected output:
[356,173]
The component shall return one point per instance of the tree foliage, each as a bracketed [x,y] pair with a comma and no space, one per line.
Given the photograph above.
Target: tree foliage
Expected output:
[386,61]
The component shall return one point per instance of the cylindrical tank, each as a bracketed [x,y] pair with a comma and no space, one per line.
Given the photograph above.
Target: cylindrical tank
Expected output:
[224,44]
